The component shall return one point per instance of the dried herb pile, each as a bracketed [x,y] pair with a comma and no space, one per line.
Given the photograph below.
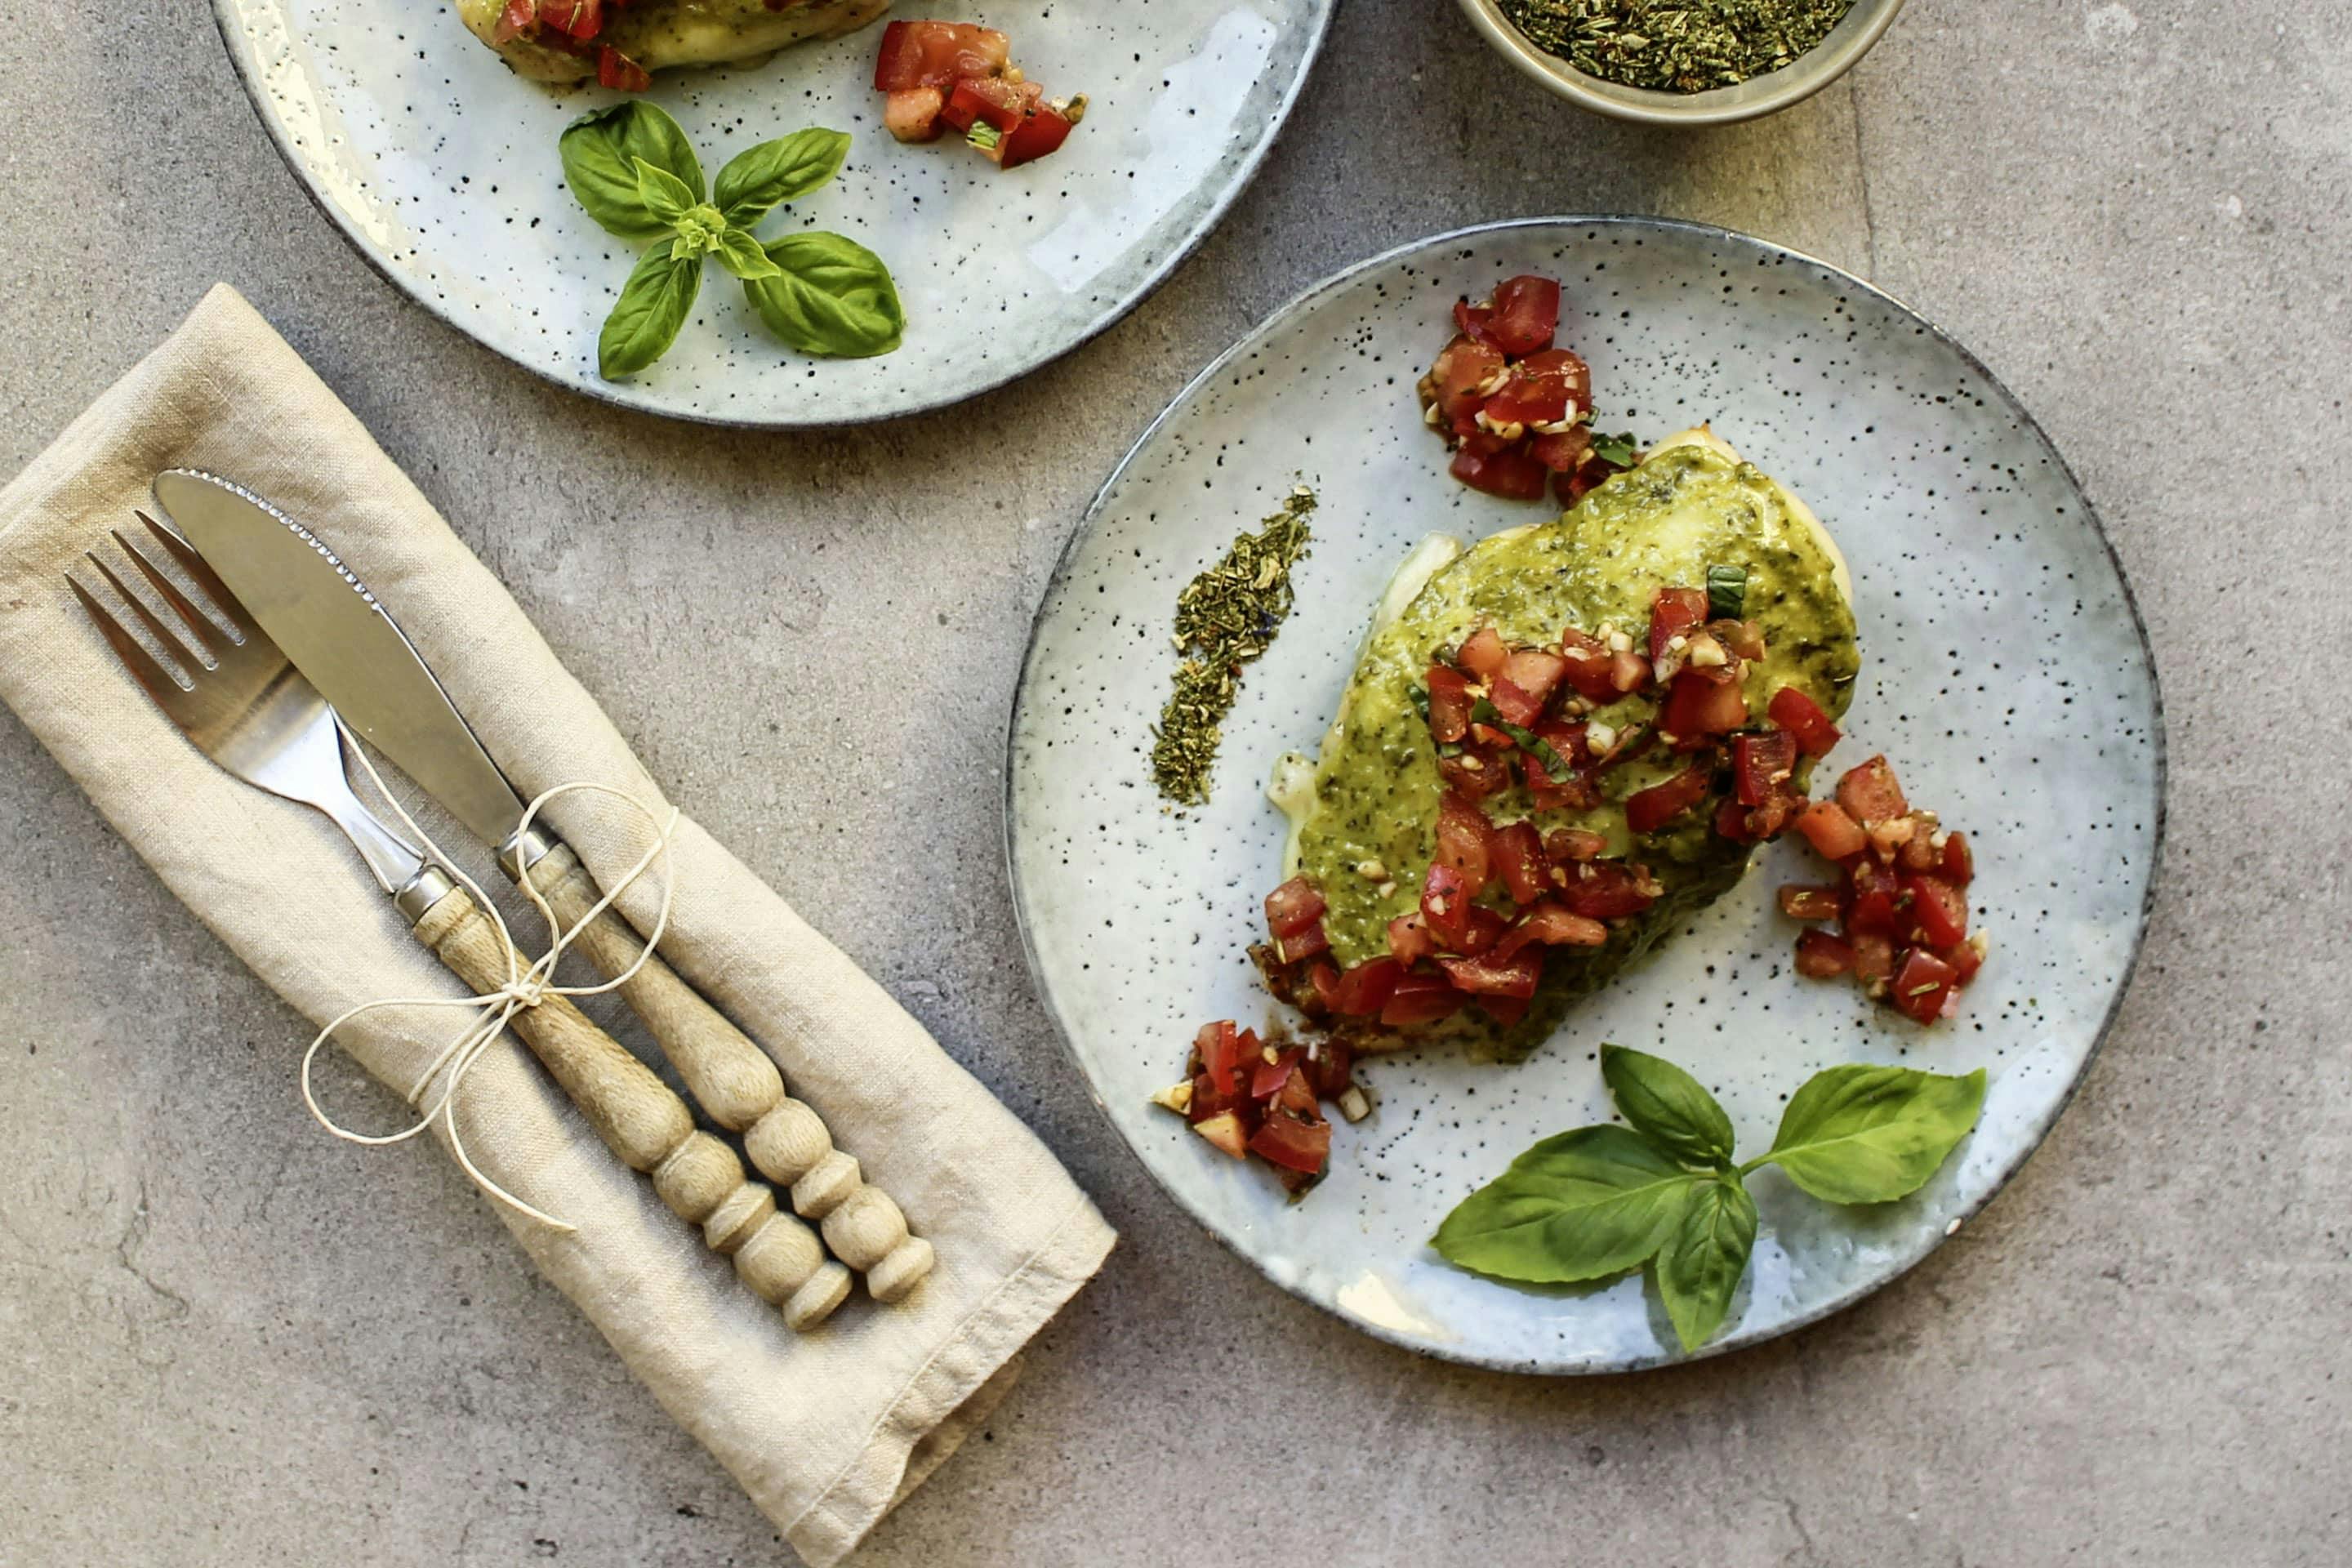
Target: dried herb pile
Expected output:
[1225,617]
[1676,46]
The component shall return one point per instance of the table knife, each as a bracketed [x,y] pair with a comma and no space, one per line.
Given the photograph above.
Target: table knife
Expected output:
[340,636]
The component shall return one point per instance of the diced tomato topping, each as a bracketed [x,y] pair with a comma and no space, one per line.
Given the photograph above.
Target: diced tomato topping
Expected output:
[937,54]
[1483,654]
[1551,925]
[1745,638]
[1822,956]
[1325,979]
[1648,810]
[1364,990]
[1628,673]
[1515,705]
[1605,891]
[1304,942]
[1919,852]
[1294,906]
[1493,975]
[1870,794]
[1877,903]
[1698,706]
[1043,132]
[1476,775]
[1832,833]
[1410,939]
[1294,1142]
[1804,718]
[1674,613]
[1541,389]
[1518,858]
[1449,703]
[1420,999]
[1960,862]
[992,98]
[1505,1010]
[1761,765]
[1567,845]
[616,70]
[1561,450]
[1535,672]
[515,20]
[1939,909]
[1526,314]
[1463,832]
[1920,985]
[573,18]
[1874,956]
[1267,1077]
[1473,319]
[1446,904]
[1330,1066]
[1510,473]
[1221,1048]
[913,114]
[1482,928]
[1588,666]
[1576,790]
[1463,369]
[1800,902]
[1731,821]
[1210,1097]
[1965,961]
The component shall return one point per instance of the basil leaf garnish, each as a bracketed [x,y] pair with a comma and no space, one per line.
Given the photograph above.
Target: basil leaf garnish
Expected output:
[1667,1106]
[1581,1206]
[831,296]
[1699,1266]
[600,158]
[740,254]
[1616,450]
[759,179]
[663,194]
[1727,592]
[1526,739]
[652,306]
[1871,1134]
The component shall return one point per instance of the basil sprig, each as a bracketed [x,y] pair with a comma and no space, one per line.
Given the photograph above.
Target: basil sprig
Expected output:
[1618,451]
[633,170]
[1727,592]
[1663,1191]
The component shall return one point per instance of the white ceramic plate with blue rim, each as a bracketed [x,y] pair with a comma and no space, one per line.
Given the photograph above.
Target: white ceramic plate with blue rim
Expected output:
[441,166]
[2005,673]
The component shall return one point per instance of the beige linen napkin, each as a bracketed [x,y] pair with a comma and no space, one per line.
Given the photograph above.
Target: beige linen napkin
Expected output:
[826,1431]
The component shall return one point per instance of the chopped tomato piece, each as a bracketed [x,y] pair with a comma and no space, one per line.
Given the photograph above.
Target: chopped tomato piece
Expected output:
[1483,654]
[1553,926]
[573,18]
[913,114]
[1877,901]
[1304,942]
[616,70]
[1628,673]
[1874,956]
[1674,613]
[1446,904]
[1535,672]
[1588,666]
[1473,319]
[1761,765]
[1220,1049]
[1449,703]
[1515,704]
[1731,821]
[1965,961]
[1575,791]
[1940,910]
[1892,834]
[1698,706]
[1562,450]
[1458,381]
[1921,983]
[1325,978]
[1960,862]
[1041,131]
[1410,939]
[1830,831]
[1462,832]
[1293,907]
[1294,1142]
[514,21]
[1648,810]
[1822,956]
[992,98]
[1422,999]
[1870,794]
[1565,845]
[1800,902]
[1518,858]
[1803,718]
[1505,1010]
[1607,890]
[1510,473]
[1919,852]
[1267,1077]
[1364,990]
[1482,928]
[1493,975]
[1210,1097]
[1476,775]
[1541,389]
[1329,1065]
[1526,314]
[1745,638]
[938,54]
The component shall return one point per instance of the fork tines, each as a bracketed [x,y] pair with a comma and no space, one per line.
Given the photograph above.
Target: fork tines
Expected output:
[194,625]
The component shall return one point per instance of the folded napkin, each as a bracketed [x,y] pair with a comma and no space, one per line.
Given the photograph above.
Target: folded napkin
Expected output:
[827,1430]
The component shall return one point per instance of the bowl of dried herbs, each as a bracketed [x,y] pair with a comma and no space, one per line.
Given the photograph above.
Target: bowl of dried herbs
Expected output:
[1684,62]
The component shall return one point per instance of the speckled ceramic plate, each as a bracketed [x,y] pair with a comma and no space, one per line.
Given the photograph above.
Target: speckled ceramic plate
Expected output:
[2005,673]
[441,167]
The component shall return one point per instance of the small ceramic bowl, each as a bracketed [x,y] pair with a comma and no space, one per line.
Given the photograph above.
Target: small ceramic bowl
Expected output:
[1807,74]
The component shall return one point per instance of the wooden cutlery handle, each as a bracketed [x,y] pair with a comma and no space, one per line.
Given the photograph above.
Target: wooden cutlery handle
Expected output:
[650,1128]
[740,1088]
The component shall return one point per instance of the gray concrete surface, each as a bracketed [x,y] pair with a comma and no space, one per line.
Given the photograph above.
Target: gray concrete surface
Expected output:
[228,1340]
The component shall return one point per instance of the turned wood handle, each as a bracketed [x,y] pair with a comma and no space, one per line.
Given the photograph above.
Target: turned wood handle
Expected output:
[650,1128]
[740,1087]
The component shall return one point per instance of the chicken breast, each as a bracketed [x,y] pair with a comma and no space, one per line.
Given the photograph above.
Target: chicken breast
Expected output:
[658,34]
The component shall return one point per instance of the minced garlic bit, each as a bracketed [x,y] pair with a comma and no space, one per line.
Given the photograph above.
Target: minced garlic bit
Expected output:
[1371,870]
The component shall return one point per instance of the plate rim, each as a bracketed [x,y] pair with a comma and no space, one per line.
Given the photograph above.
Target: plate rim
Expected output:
[1844,1298]
[600,390]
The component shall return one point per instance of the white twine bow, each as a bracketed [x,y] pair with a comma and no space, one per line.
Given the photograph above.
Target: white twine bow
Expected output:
[527,985]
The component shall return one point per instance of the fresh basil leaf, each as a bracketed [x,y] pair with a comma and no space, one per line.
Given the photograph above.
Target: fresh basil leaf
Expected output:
[1667,1106]
[652,306]
[831,296]
[1619,451]
[664,196]
[600,160]
[740,254]
[1555,769]
[759,179]
[1579,1206]
[1727,592]
[1865,1134]
[1699,1266]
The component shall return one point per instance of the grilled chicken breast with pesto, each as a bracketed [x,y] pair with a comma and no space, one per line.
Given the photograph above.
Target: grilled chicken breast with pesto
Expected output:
[618,41]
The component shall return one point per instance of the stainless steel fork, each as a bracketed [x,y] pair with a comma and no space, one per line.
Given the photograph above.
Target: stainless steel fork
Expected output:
[247,707]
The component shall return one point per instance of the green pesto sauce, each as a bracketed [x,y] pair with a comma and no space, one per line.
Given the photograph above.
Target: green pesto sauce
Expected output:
[1376,786]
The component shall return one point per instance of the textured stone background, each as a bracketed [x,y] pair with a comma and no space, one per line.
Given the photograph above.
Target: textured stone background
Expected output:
[226,1338]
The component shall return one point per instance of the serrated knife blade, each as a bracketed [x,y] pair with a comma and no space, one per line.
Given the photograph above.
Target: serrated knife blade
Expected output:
[337,635]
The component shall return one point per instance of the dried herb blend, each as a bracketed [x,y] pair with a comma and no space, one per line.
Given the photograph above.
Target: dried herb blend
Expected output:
[1676,46]
[1225,617]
